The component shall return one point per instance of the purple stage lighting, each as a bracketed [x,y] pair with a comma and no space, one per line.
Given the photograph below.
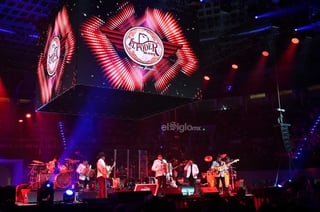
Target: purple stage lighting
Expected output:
[308,27]
[281,12]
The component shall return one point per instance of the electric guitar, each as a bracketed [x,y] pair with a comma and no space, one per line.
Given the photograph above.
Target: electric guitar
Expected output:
[221,168]
[109,169]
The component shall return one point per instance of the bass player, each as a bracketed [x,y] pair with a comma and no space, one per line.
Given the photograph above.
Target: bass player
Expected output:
[219,167]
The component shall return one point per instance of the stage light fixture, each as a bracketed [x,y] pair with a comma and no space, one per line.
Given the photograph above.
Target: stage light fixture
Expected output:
[20,120]
[235,66]
[295,40]
[265,53]
[28,115]
[46,193]
[68,196]
[206,77]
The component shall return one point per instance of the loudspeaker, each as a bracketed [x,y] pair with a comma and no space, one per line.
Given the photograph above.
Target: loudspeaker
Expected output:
[175,193]
[240,183]
[83,196]
[205,190]
[147,187]
[29,196]
[58,195]
[130,196]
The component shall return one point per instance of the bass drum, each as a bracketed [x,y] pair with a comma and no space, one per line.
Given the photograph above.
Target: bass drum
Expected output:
[62,180]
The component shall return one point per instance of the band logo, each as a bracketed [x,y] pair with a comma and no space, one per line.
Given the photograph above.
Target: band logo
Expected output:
[57,53]
[53,56]
[143,46]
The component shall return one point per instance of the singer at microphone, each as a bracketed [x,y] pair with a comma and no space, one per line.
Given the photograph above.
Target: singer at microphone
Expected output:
[159,167]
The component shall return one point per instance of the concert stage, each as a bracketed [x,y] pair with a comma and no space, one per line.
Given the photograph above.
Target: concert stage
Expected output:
[145,201]
[206,199]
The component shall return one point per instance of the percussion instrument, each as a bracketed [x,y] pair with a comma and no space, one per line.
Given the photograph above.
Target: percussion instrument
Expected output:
[37,162]
[211,179]
[37,174]
[62,180]
[208,158]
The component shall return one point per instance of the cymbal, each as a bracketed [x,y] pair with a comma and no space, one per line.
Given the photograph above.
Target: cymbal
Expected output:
[37,161]
[66,171]
[208,158]
[223,155]
[36,164]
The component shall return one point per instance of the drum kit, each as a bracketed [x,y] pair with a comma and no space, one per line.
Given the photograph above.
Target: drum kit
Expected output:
[39,174]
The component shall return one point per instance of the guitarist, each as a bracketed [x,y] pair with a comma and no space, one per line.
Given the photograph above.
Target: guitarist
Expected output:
[219,167]
[102,175]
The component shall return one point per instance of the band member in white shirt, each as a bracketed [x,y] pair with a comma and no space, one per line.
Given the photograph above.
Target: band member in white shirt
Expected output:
[102,175]
[192,172]
[84,171]
[103,172]
[219,167]
[159,167]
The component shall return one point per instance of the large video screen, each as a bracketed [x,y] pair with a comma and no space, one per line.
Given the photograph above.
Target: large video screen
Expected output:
[56,57]
[143,47]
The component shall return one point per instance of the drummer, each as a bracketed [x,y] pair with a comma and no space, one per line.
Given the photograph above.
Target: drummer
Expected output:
[53,165]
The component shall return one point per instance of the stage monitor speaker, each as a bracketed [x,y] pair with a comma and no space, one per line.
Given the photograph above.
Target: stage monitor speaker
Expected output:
[210,192]
[58,195]
[147,187]
[206,190]
[174,193]
[130,196]
[30,196]
[83,196]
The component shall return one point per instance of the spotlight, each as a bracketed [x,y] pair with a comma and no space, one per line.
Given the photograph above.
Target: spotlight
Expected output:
[46,193]
[206,77]
[68,196]
[235,66]
[229,88]
[265,53]
[295,40]
[20,120]
[28,115]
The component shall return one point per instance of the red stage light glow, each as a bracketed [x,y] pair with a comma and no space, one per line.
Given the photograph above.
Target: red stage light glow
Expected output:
[295,40]
[265,53]
[207,78]
[28,115]
[20,120]
[235,66]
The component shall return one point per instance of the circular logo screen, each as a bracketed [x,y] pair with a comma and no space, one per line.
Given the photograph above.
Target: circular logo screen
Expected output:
[143,46]
[53,56]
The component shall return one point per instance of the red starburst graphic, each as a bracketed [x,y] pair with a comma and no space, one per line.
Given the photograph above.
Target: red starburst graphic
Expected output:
[58,51]
[105,40]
